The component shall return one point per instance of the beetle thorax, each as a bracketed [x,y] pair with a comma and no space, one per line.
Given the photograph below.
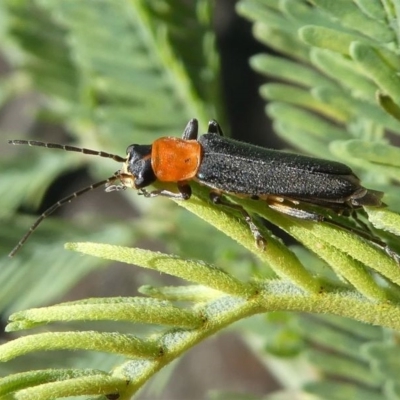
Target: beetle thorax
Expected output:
[175,160]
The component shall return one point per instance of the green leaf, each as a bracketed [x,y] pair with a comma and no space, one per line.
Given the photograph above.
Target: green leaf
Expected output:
[278,39]
[198,272]
[353,107]
[128,345]
[342,391]
[34,378]
[301,97]
[375,152]
[351,17]
[282,68]
[304,120]
[385,219]
[384,359]
[108,309]
[326,38]
[43,384]
[374,9]
[376,67]
[344,72]
[349,368]
[387,103]
[346,150]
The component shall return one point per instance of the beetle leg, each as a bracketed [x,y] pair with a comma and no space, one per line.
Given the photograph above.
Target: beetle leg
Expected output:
[370,237]
[309,215]
[213,127]
[185,191]
[191,130]
[391,253]
[218,200]
[295,212]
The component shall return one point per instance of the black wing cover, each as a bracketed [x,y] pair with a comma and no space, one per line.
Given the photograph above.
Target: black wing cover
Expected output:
[244,169]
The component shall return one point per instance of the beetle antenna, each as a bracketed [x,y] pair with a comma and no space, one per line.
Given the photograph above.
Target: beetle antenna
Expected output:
[68,148]
[57,205]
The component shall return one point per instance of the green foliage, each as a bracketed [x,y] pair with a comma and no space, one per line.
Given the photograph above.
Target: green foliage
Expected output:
[109,68]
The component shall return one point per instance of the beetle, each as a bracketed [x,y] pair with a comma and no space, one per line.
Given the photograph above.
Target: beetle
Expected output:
[283,180]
